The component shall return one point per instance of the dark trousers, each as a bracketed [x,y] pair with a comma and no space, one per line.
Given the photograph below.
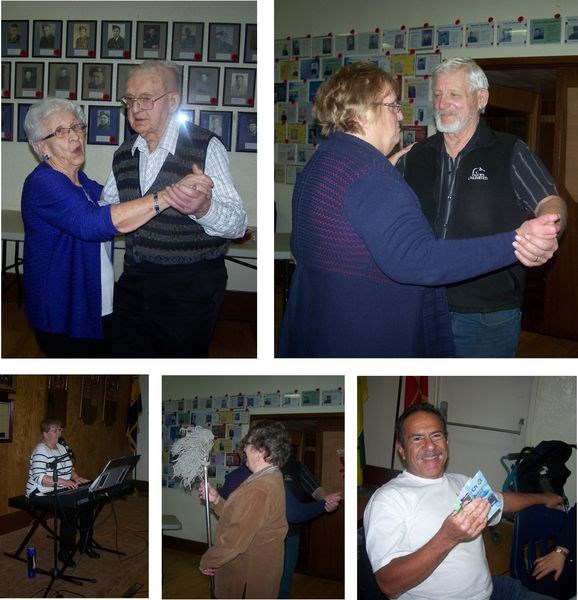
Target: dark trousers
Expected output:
[168,314]
[57,345]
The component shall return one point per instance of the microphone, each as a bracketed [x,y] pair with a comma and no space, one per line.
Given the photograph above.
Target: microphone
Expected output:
[70,453]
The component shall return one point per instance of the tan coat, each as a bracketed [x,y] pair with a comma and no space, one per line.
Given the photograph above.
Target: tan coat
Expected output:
[249,545]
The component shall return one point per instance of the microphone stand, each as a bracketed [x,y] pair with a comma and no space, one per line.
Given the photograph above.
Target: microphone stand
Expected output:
[55,573]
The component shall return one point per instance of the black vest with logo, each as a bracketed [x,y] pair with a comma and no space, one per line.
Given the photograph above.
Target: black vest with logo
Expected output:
[170,240]
[484,203]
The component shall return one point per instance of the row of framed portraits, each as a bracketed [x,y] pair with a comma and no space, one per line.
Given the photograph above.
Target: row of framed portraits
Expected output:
[96,82]
[104,125]
[516,32]
[116,40]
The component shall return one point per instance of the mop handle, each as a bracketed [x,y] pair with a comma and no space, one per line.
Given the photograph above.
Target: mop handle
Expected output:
[208,509]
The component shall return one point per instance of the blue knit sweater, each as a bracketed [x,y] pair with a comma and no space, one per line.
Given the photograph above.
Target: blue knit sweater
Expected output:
[368,261]
[63,230]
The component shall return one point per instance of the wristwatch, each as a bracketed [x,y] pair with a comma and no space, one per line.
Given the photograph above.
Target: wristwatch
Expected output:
[562,551]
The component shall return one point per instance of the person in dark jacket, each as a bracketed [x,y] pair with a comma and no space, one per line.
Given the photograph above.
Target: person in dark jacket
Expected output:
[472,181]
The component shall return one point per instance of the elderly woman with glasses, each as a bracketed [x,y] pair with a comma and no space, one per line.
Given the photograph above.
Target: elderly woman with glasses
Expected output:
[247,556]
[368,264]
[68,273]
[51,465]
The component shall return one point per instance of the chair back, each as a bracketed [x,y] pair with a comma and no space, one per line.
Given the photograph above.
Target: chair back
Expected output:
[535,531]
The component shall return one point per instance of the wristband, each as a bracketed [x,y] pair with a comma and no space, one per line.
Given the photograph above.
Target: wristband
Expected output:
[561,551]
[156,202]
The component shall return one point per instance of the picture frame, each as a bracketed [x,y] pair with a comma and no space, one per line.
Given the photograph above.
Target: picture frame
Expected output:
[545,31]
[7,122]
[116,40]
[188,41]
[103,125]
[421,38]
[219,123]
[29,80]
[15,38]
[96,81]
[250,52]
[122,71]
[81,39]
[151,39]
[47,39]
[571,30]
[512,33]
[6,420]
[239,87]
[479,35]
[6,79]
[186,115]
[203,85]
[246,132]
[7,383]
[63,80]
[224,40]
[322,45]
[22,112]
[282,49]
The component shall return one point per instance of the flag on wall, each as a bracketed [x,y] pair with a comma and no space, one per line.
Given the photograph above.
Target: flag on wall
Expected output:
[416,390]
[361,399]
[134,410]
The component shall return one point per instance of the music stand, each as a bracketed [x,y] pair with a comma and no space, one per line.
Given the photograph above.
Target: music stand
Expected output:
[114,474]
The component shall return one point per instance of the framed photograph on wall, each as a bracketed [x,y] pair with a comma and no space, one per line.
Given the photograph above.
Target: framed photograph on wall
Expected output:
[239,88]
[7,383]
[96,81]
[246,132]
[250,54]
[103,125]
[7,122]
[22,112]
[47,39]
[188,41]
[6,420]
[6,79]
[219,123]
[63,80]
[15,38]
[29,82]
[151,40]
[115,39]
[122,71]
[203,85]
[186,115]
[224,39]
[81,39]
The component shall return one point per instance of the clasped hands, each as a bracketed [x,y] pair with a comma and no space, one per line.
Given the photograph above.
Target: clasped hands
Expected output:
[536,240]
[191,195]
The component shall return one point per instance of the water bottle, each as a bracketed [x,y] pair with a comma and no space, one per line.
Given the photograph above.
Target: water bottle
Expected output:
[31,553]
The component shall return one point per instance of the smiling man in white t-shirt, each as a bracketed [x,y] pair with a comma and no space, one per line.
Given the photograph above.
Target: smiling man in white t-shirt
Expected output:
[419,548]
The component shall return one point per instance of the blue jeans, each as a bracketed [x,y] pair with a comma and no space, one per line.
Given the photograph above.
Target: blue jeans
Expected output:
[507,588]
[289,564]
[486,335]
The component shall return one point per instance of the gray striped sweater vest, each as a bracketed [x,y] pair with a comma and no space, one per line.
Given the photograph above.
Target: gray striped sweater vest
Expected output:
[169,240]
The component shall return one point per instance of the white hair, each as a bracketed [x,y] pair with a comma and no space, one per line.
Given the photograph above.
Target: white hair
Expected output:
[170,72]
[37,114]
[476,76]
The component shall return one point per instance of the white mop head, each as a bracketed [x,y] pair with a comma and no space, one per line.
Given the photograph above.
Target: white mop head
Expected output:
[192,454]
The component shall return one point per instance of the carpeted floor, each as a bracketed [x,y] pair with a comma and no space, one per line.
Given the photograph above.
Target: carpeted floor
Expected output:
[125,528]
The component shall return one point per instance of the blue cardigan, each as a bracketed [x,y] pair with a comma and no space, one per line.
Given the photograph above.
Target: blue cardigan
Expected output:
[63,230]
[368,263]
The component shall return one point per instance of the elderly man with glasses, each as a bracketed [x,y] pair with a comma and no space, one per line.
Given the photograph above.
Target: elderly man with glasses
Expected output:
[168,297]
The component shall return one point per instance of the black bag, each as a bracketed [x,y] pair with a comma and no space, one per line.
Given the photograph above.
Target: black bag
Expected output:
[543,468]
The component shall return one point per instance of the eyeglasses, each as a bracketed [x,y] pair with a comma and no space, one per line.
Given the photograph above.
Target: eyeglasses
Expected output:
[60,132]
[145,102]
[395,106]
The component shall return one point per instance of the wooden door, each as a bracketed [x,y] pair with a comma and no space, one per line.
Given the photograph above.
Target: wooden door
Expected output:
[561,299]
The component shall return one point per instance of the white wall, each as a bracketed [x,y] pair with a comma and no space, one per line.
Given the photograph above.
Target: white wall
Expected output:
[186,506]
[17,158]
[303,17]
